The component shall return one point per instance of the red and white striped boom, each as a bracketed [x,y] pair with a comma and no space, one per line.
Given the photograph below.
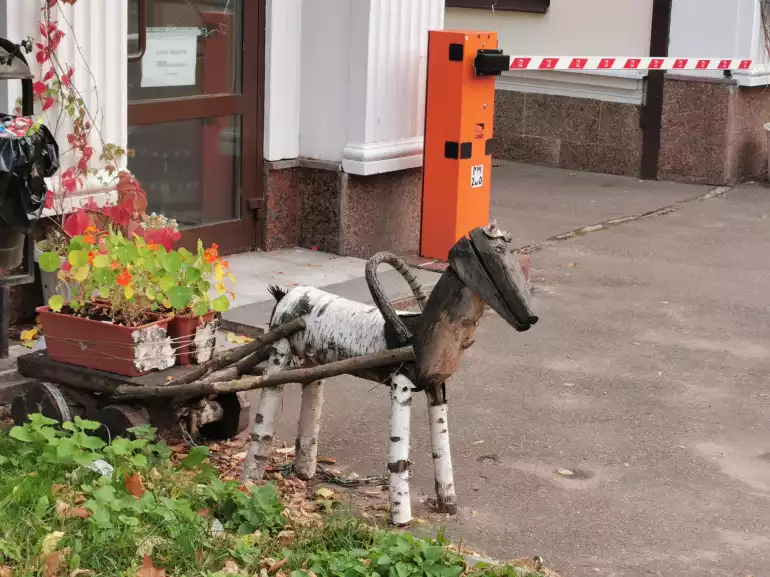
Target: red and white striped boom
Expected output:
[626,63]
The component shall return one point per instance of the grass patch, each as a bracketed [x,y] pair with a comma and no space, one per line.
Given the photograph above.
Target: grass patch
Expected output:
[73,505]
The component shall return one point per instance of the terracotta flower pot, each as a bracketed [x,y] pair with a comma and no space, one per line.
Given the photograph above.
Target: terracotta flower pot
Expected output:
[129,351]
[194,337]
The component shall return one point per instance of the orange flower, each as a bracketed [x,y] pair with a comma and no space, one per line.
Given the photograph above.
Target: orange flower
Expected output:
[210,254]
[152,246]
[89,235]
[91,255]
[124,277]
[224,263]
[114,265]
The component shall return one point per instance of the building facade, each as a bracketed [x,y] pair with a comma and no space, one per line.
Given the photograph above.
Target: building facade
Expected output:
[275,123]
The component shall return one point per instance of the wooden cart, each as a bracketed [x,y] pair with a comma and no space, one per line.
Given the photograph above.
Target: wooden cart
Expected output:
[209,400]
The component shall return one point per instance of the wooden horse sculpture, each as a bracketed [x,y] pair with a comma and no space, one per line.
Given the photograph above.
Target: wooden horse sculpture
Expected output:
[481,271]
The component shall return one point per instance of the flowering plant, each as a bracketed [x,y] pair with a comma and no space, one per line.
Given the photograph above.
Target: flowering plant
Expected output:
[126,279]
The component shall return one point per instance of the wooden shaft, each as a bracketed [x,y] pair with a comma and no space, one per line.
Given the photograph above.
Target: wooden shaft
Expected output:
[235,355]
[392,357]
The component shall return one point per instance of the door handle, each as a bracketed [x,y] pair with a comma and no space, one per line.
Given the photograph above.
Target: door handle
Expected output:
[139,54]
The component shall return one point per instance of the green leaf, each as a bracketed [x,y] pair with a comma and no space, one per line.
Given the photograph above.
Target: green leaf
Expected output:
[56,302]
[193,274]
[41,506]
[220,304]
[138,461]
[105,494]
[200,308]
[81,273]
[21,434]
[171,262]
[101,261]
[195,457]
[166,283]
[49,262]
[86,425]
[180,296]
[78,258]
[104,292]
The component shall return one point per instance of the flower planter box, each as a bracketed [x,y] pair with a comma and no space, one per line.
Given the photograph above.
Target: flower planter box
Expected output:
[194,338]
[129,351]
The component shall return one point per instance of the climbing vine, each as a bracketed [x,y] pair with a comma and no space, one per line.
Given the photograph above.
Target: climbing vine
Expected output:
[60,99]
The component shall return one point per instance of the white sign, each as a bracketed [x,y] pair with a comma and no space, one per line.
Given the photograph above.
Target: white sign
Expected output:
[477,176]
[171,57]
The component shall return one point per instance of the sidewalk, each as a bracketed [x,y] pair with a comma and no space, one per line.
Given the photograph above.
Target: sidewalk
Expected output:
[645,382]
[343,276]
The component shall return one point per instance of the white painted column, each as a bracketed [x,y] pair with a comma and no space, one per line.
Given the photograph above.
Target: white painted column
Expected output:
[386,83]
[283,74]
[94,44]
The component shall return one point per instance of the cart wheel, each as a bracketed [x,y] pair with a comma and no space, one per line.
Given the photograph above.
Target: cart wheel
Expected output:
[44,398]
[116,420]
[235,418]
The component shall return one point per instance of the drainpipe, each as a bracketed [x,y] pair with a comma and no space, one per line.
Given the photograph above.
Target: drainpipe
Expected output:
[652,112]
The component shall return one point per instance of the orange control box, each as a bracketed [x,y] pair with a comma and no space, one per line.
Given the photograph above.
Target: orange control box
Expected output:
[459,114]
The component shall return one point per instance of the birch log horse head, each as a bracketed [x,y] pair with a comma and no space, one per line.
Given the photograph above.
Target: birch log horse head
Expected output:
[482,271]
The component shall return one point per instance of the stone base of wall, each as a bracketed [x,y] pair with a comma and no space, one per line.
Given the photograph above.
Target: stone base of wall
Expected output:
[566,132]
[340,213]
[712,131]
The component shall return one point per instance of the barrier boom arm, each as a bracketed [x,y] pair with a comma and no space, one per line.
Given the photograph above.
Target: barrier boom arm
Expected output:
[493,62]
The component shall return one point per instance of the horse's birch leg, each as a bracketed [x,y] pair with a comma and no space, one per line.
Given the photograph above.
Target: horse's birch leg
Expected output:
[446,500]
[264,420]
[306,445]
[398,455]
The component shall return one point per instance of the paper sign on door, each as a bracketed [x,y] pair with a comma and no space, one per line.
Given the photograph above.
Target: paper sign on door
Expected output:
[171,57]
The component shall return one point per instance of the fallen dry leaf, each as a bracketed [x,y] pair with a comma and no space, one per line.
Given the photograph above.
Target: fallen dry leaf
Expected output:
[231,567]
[327,460]
[275,566]
[565,472]
[67,511]
[134,485]
[6,571]
[286,538]
[78,572]
[58,488]
[53,562]
[50,542]
[238,339]
[325,493]
[149,570]
[572,265]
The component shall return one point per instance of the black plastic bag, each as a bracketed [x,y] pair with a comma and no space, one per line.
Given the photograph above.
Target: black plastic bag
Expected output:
[24,163]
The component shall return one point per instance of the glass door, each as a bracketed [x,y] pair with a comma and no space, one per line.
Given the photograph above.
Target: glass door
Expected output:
[195,94]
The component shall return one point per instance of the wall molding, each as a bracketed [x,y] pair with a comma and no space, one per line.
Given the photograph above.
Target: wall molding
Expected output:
[625,89]
[376,157]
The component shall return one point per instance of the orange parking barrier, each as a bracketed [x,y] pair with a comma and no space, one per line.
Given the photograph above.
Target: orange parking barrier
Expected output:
[459,115]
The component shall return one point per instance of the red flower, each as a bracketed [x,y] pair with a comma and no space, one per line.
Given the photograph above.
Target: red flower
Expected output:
[39,88]
[48,103]
[91,255]
[124,277]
